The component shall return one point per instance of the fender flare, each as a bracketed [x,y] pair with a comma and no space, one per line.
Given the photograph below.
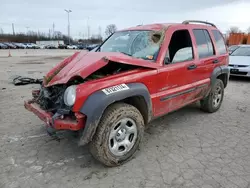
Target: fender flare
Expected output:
[97,102]
[224,69]
[218,71]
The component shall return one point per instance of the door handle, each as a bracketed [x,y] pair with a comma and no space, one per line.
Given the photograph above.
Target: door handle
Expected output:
[216,61]
[191,67]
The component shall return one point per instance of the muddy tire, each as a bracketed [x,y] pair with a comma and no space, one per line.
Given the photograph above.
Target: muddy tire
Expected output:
[118,135]
[214,100]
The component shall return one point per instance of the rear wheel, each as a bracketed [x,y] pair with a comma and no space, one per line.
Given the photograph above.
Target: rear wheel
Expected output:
[214,100]
[118,135]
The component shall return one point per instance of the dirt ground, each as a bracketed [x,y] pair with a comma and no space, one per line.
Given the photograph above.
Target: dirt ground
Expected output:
[187,148]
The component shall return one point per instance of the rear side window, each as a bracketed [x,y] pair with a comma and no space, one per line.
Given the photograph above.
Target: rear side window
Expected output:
[204,43]
[219,42]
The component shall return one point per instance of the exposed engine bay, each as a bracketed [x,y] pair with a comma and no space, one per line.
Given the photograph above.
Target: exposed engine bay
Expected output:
[51,98]
[110,69]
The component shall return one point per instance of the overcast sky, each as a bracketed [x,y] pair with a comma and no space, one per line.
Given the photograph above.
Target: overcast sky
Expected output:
[41,14]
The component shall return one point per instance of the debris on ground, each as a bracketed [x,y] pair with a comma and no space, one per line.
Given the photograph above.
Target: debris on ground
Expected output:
[21,80]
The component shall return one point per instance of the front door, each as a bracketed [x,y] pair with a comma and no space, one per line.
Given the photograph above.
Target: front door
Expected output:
[174,80]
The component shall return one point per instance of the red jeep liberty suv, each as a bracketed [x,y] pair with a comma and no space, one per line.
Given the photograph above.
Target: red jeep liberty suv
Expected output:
[110,94]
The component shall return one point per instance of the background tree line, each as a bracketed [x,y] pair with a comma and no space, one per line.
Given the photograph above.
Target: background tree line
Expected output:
[32,36]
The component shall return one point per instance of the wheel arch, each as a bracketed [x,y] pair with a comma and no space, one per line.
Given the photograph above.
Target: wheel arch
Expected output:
[222,73]
[94,107]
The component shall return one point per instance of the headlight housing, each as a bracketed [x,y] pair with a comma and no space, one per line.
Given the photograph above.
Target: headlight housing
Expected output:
[69,96]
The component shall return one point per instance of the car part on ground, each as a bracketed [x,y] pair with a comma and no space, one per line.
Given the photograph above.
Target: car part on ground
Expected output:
[110,94]
[21,80]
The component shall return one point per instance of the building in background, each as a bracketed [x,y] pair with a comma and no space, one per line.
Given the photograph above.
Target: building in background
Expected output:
[50,42]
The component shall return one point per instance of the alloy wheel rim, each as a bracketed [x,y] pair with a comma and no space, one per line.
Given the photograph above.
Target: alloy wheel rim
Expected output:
[122,136]
[217,96]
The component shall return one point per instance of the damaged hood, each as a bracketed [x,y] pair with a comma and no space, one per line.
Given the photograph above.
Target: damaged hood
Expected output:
[85,63]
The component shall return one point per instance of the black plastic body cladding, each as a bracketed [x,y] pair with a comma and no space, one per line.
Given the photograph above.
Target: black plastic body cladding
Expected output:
[96,103]
[218,71]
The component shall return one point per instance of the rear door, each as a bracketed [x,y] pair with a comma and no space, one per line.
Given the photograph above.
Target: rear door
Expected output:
[221,50]
[206,59]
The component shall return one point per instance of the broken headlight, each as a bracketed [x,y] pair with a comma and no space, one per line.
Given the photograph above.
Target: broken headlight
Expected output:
[70,95]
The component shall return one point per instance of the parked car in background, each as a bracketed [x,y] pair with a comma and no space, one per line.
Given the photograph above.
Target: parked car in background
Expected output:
[19,45]
[82,46]
[34,46]
[3,46]
[91,46]
[239,61]
[62,46]
[50,46]
[232,48]
[28,45]
[41,46]
[11,46]
[72,47]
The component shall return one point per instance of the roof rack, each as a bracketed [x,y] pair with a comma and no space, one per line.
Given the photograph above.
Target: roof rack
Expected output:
[198,21]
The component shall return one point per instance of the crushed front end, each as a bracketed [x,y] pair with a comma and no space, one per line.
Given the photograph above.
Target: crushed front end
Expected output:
[48,104]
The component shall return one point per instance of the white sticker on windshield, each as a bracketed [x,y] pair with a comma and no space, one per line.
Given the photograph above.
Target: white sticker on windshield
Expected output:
[115,89]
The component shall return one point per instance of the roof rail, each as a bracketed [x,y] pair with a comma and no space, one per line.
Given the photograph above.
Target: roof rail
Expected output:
[198,21]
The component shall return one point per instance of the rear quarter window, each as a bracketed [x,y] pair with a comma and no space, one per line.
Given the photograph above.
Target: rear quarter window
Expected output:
[219,42]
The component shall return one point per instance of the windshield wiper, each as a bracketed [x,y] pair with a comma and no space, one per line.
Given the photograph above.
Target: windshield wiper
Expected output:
[126,53]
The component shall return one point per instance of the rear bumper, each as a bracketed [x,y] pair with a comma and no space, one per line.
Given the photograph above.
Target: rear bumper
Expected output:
[58,124]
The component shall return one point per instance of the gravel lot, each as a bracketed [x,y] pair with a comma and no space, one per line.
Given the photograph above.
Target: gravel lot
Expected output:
[187,148]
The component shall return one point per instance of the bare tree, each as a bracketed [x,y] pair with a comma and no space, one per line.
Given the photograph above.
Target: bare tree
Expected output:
[110,29]
[234,29]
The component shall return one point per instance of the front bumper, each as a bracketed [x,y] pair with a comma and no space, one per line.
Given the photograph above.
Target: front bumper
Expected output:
[240,71]
[66,123]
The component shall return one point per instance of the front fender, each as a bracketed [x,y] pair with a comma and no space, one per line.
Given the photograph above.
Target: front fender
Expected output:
[97,102]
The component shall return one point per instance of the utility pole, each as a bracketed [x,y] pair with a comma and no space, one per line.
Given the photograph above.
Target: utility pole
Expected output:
[13,29]
[53,31]
[88,27]
[27,30]
[49,34]
[68,11]
[27,33]
[100,31]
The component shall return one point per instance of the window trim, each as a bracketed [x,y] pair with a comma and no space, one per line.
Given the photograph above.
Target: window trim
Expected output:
[167,51]
[212,32]
[214,49]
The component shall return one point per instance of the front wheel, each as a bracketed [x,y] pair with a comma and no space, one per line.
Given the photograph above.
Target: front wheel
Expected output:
[214,100]
[118,135]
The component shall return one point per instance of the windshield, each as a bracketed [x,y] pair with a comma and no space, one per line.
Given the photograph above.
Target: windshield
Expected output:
[139,44]
[242,51]
[232,48]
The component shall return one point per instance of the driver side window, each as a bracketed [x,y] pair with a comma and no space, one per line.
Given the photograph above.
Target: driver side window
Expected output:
[180,48]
